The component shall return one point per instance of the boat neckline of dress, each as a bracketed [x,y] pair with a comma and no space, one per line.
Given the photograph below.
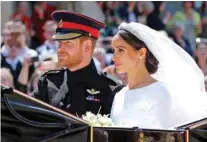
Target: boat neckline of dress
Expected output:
[143,87]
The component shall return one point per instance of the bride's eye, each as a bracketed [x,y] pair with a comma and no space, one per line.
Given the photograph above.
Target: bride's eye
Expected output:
[113,50]
[120,50]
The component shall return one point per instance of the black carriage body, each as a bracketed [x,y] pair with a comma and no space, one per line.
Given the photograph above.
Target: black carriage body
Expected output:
[26,119]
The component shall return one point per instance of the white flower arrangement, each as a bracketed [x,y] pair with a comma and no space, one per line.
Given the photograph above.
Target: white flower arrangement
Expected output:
[98,120]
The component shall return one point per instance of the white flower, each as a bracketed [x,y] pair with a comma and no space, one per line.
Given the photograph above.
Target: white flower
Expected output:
[98,120]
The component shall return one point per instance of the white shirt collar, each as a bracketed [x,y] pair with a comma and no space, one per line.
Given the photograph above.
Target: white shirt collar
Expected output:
[13,63]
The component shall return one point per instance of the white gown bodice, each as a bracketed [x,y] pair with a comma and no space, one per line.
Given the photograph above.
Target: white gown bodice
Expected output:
[152,107]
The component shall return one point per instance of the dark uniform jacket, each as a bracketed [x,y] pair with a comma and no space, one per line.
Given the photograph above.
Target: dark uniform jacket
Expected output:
[77,92]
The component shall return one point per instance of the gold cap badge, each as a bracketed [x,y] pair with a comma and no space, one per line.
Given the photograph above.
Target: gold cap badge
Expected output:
[60,24]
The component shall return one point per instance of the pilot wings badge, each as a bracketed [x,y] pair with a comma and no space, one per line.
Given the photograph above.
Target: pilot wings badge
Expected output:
[92,91]
[92,97]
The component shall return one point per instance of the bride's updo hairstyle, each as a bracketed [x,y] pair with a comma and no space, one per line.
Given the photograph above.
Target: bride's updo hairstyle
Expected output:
[151,62]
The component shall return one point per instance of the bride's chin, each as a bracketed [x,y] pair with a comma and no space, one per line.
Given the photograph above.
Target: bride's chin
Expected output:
[119,71]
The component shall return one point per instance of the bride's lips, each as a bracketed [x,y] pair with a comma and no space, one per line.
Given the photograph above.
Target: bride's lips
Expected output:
[116,64]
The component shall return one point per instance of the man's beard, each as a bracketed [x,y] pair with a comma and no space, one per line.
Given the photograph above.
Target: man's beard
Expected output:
[72,61]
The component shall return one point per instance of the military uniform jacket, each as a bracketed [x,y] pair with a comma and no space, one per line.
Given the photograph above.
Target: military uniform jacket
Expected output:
[77,92]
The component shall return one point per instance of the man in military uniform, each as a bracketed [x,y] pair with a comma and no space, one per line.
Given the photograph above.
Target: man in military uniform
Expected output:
[78,87]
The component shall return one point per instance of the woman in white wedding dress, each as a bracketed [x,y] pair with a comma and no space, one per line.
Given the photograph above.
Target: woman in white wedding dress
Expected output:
[165,86]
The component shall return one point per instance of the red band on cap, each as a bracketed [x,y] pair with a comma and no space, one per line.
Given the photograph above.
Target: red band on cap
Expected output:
[68,25]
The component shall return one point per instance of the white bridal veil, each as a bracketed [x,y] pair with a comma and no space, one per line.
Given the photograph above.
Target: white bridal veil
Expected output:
[176,69]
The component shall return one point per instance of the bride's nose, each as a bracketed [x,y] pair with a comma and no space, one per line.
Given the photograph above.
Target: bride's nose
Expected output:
[115,57]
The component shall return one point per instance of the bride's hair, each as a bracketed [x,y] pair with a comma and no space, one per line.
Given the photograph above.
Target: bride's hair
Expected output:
[151,62]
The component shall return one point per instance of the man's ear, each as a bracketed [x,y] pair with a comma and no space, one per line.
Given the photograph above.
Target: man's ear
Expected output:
[87,44]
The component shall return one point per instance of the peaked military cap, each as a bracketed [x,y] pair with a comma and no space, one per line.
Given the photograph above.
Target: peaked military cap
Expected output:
[72,25]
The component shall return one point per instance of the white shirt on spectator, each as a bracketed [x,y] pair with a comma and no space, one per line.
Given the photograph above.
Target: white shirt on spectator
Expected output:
[25,51]
[132,17]
[47,47]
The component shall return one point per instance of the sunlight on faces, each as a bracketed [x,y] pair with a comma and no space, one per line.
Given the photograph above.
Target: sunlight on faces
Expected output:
[75,53]
[125,56]
[6,77]
[14,48]
[49,29]
[70,53]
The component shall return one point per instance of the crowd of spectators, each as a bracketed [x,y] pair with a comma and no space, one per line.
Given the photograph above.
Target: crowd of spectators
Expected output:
[182,26]
[27,48]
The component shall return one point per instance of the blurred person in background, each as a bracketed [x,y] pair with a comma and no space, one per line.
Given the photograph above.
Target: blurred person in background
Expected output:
[105,43]
[147,8]
[6,77]
[5,36]
[178,30]
[191,20]
[17,33]
[40,15]
[111,17]
[158,17]
[203,13]
[112,71]
[21,15]
[201,56]
[108,8]
[47,63]
[100,55]
[43,64]
[8,25]
[15,53]
[50,46]
[6,32]
[33,82]
[132,12]
[100,4]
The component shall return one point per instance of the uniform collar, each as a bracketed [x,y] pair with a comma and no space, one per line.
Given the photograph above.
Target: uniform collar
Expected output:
[90,68]
[84,75]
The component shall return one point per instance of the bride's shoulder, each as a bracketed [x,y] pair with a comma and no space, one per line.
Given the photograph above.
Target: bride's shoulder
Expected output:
[162,86]
[163,89]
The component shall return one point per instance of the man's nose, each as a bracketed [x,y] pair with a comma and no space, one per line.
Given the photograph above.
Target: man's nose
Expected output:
[60,45]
